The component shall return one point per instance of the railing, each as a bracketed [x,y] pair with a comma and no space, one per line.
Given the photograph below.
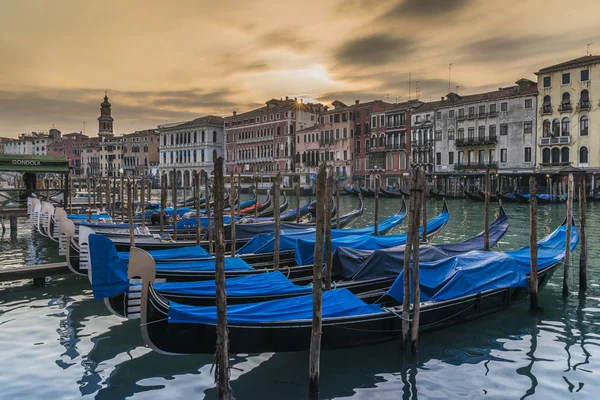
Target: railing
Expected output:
[555,164]
[422,143]
[375,166]
[482,115]
[476,141]
[493,113]
[474,165]
[546,109]
[566,107]
[472,116]
[584,105]
[256,139]
[461,117]
[397,146]
[548,141]
[188,145]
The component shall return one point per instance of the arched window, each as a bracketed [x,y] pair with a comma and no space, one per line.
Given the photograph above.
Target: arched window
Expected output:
[565,104]
[195,156]
[389,162]
[583,125]
[584,100]
[145,147]
[373,141]
[164,140]
[546,128]
[171,139]
[195,136]
[214,136]
[546,156]
[566,127]
[402,160]
[555,155]
[298,157]
[547,104]
[555,128]
[164,157]
[564,155]
[202,155]
[171,157]
[583,155]
[382,141]
[203,137]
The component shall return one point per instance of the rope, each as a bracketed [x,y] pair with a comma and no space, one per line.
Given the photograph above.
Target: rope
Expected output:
[398,315]
[153,322]
[452,316]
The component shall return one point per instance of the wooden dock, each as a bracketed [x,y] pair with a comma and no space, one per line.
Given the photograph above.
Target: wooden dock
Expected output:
[36,272]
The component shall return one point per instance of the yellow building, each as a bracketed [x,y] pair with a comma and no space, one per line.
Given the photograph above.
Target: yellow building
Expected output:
[568,128]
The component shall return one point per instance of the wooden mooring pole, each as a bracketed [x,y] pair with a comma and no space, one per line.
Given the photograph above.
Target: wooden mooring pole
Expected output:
[298,201]
[208,207]
[424,212]
[565,289]
[416,286]
[337,204]
[114,198]
[533,276]
[327,228]
[277,217]
[174,192]
[232,200]
[222,353]
[197,186]
[255,196]
[317,318]
[163,200]
[143,201]
[486,213]
[582,236]
[130,215]
[376,214]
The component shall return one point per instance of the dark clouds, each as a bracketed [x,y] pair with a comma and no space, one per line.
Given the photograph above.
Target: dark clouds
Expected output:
[372,50]
[426,8]
[285,38]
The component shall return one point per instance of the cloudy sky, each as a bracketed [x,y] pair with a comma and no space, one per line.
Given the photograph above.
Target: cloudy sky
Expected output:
[174,61]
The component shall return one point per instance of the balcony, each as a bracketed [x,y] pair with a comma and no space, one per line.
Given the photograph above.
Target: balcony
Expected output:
[549,141]
[482,115]
[584,105]
[472,116]
[397,146]
[555,164]
[474,165]
[252,140]
[493,114]
[461,117]
[422,144]
[476,141]
[546,109]
[375,166]
[565,107]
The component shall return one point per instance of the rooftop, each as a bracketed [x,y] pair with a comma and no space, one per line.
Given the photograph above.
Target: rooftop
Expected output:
[202,121]
[577,62]
[525,87]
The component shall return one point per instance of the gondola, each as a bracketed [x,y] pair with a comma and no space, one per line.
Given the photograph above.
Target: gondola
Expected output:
[507,197]
[274,285]
[460,288]
[261,208]
[449,196]
[356,191]
[268,212]
[387,193]
[473,196]
[541,198]
[367,192]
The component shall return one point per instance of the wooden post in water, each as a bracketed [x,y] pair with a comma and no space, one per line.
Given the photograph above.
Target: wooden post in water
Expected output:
[197,186]
[122,189]
[412,230]
[107,195]
[114,198]
[232,201]
[174,189]
[337,204]
[416,286]
[208,207]
[222,352]
[163,200]
[486,213]
[317,318]
[376,215]
[424,211]
[327,228]
[298,201]
[255,196]
[533,276]
[582,236]
[276,216]
[239,192]
[69,196]
[130,215]
[89,196]
[565,289]
[143,200]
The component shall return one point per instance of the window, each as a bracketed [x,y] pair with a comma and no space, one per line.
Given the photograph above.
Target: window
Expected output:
[566,78]
[438,158]
[481,110]
[367,146]
[461,134]
[438,136]
[583,155]
[345,133]
[438,115]
[584,100]
[357,164]
[481,158]
[528,103]
[451,114]
[345,155]
[450,135]
[278,130]
[461,157]
[503,155]
[493,109]
[527,127]
[585,76]
[527,155]
[344,117]
[547,82]
[583,125]
[564,154]
[471,111]
[389,161]
[461,112]
[566,126]
[402,161]
[471,134]
[547,104]
[546,156]
[555,155]
[381,121]
[503,129]
[374,121]
[565,104]
[481,133]
[492,129]
[337,133]
[546,128]
[504,106]
[451,158]
[492,156]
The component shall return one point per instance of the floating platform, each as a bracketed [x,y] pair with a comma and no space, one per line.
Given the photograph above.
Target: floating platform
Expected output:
[35,272]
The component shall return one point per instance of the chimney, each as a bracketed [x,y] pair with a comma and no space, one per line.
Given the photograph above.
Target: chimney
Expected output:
[234,113]
[356,102]
[442,98]
[286,97]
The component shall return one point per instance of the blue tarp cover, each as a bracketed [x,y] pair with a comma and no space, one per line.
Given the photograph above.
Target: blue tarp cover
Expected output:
[105,226]
[336,303]
[305,247]
[480,271]
[231,264]
[85,217]
[268,283]
[360,263]
[109,272]
[180,253]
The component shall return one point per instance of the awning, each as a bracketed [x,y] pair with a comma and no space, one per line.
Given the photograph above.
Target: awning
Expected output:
[39,164]
[358,177]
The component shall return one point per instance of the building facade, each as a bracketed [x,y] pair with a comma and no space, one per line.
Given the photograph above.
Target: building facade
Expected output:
[569,116]
[90,158]
[189,147]
[262,140]
[111,156]
[140,150]
[70,145]
[308,148]
[488,131]
[422,140]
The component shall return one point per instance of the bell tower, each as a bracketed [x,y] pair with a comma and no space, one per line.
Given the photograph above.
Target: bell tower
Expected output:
[105,121]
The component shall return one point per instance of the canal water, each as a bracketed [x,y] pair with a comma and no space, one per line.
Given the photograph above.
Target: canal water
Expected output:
[56,342]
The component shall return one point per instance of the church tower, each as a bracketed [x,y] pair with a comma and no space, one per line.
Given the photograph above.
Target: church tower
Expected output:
[105,121]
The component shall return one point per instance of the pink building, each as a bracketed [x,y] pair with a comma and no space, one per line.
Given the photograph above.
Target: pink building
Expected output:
[70,145]
[308,149]
[262,140]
